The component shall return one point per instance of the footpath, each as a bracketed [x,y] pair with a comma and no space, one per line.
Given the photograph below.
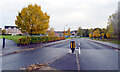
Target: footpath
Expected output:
[11,47]
[112,45]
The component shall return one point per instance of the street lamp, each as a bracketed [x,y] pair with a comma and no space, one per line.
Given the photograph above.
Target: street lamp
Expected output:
[64,29]
[64,26]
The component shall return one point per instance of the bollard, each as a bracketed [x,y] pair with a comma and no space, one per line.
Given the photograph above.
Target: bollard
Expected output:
[72,46]
[3,42]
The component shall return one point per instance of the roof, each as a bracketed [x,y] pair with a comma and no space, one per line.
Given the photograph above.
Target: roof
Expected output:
[6,27]
[59,31]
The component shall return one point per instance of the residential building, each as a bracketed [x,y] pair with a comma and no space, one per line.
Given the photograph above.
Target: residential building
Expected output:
[12,30]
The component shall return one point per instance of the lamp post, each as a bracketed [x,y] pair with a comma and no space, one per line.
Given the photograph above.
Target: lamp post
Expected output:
[64,29]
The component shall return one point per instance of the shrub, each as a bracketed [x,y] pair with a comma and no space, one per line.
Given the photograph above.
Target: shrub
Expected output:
[33,40]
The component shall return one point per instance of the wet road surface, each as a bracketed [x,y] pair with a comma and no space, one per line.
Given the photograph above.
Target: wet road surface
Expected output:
[91,56]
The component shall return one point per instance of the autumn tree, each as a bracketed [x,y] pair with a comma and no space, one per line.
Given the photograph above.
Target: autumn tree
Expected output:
[64,33]
[68,32]
[80,31]
[102,35]
[3,32]
[51,32]
[104,30]
[96,33]
[90,34]
[32,20]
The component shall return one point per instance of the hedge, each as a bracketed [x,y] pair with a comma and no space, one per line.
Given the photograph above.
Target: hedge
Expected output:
[33,40]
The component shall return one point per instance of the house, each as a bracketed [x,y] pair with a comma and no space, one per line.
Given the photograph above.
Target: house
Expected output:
[12,30]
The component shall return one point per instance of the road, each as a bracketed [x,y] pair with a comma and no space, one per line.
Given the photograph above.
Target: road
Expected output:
[87,56]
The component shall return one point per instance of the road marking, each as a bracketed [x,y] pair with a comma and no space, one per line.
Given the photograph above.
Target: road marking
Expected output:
[79,44]
[77,62]
[117,50]
[69,51]
[79,51]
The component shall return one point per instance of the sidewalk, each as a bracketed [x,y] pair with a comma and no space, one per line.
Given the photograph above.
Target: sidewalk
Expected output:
[106,43]
[11,47]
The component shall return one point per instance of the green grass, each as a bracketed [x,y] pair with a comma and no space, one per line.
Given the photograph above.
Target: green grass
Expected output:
[68,38]
[76,37]
[109,40]
[14,38]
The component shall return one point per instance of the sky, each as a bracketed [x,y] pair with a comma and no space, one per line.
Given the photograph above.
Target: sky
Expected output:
[63,14]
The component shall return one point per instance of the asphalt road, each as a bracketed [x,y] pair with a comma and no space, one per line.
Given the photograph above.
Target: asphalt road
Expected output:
[87,56]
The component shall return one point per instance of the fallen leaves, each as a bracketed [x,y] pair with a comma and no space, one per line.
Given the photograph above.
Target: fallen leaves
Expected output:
[34,67]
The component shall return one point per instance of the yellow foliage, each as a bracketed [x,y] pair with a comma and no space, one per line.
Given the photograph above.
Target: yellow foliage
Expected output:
[32,20]
[90,35]
[107,35]
[51,32]
[96,33]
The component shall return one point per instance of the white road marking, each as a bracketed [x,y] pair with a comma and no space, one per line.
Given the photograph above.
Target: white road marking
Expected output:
[77,61]
[79,51]
[117,50]
[69,51]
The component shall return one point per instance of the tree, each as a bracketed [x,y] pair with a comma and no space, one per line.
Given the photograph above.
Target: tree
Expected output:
[103,35]
[51,32]
[32,20]
[107,35]
[112,28]
[86,33]
[96,33]
[68,32]
[64,33]
[3,32]
[91,30]
[90,34]
[104,30]
[80,31]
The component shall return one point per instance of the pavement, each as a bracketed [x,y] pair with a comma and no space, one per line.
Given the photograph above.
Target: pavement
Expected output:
[11,47]
[106,43]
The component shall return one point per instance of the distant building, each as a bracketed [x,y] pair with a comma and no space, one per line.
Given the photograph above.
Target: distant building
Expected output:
[0,31]
[59,33]
[12,30]
[73,33]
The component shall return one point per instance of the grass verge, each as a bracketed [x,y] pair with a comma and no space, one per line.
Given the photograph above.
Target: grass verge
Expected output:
[14,38]
[109,40]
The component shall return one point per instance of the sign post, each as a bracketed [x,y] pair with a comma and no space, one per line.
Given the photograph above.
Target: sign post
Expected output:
[72,46]
[3,42]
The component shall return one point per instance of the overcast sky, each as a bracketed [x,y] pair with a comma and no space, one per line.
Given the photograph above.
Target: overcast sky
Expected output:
[73,13]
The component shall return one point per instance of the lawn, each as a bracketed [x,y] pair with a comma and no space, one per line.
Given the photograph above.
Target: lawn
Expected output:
[109,40]
[14,38]
[68,38]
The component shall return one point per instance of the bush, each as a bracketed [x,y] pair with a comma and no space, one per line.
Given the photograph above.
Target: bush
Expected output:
[33,40]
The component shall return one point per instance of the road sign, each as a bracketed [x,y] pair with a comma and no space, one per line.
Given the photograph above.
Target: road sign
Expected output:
[72,46]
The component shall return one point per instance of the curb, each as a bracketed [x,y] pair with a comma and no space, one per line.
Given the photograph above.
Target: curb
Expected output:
[104,44]
[33,48]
